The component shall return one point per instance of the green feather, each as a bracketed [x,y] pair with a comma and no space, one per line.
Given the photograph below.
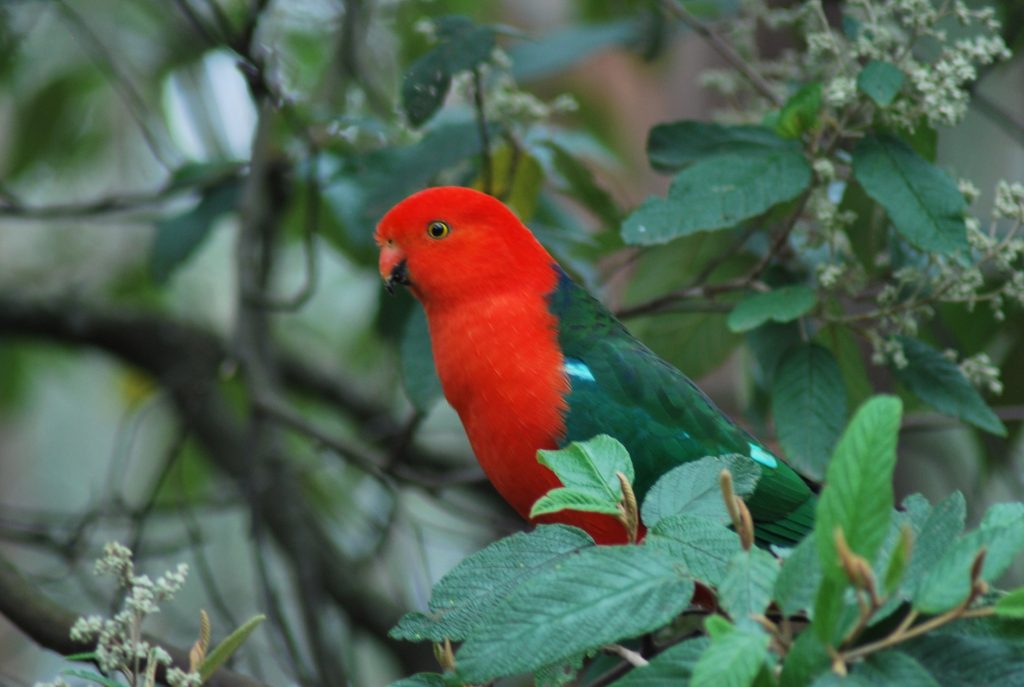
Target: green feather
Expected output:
[620,387]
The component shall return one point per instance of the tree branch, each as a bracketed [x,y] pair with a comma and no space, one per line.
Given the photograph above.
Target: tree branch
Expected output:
[698,289]
[187,361]
[728,53]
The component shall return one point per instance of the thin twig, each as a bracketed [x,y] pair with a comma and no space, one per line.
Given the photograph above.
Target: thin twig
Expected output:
[274,609]
[696,289]
[312,229]
[196,22]
[628,655]
[485,140]
[723,48]
[11,206]
[108,63]
[195,536]
[221,20]
[289,418]
[140,517]
[515,156]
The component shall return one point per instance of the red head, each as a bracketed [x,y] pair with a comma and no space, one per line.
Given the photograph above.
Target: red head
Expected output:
[451,243]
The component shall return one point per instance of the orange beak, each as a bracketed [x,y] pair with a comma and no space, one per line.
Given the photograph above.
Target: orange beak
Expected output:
[393,267]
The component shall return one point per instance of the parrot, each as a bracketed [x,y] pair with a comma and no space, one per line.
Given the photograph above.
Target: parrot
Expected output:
[530,360]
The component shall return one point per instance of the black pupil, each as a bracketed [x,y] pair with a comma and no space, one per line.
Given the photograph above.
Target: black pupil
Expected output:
[437,229]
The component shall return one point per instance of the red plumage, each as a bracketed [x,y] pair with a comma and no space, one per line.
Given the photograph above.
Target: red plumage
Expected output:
[484,287]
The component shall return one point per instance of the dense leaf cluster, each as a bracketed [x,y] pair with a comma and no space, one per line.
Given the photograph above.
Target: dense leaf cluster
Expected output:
[870,595]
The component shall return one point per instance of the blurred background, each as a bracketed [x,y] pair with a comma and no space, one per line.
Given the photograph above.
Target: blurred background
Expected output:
[197,357]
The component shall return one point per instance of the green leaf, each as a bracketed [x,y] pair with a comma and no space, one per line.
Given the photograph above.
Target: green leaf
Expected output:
[719,192]
[888,568]
[48,127]
[809,406]
[696,342]
[559,673]
[747,587]
[587,471]
[768,343]
[471,590]
[560,49]
[462,45]
[858,494]
[898,560]
[671,147]
[956,659]
[948,582]
[798,580]
[517,177]
[93,677]
[869,232]
[800,113]
[834,609]
[223,651]
[937,381]
[673,667]
[1011,605]
[425,680]
[602,595]
[425,87]
[881,81]
[923,138]
[923,202]
[894,668]
[703,546]
[805,660]
[419,376]
[933,531]
[857,498]
[582,184]
[847,352]
[734,658]
[81,656]
[940,529]
[693,489]
[177,238]
[778,305]
[202,174]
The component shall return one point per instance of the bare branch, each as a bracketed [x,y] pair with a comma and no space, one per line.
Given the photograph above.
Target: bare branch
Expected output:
[187,361]
[131,96]
[728,53]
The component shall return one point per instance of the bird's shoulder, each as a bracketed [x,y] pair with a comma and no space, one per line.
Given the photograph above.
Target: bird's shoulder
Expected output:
[616,378]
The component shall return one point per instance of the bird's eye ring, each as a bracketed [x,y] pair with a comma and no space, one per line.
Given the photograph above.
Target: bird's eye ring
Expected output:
[438,229]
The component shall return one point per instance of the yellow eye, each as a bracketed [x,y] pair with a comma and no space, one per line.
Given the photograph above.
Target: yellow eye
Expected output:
[438,230]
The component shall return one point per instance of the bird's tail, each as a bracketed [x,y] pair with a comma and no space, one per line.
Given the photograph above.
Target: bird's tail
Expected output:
[788,530]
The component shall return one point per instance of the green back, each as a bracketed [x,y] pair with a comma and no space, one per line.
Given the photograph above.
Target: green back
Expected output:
[622,388]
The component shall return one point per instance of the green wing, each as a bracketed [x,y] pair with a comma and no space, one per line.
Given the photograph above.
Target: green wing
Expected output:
[622,388]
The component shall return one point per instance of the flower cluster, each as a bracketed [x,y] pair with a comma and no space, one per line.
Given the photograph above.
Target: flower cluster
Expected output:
[119,643]
[935,87]
[935,50]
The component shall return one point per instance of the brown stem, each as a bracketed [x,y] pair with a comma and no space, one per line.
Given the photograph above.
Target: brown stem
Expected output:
[697,289]
[485,139]
[728,53]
